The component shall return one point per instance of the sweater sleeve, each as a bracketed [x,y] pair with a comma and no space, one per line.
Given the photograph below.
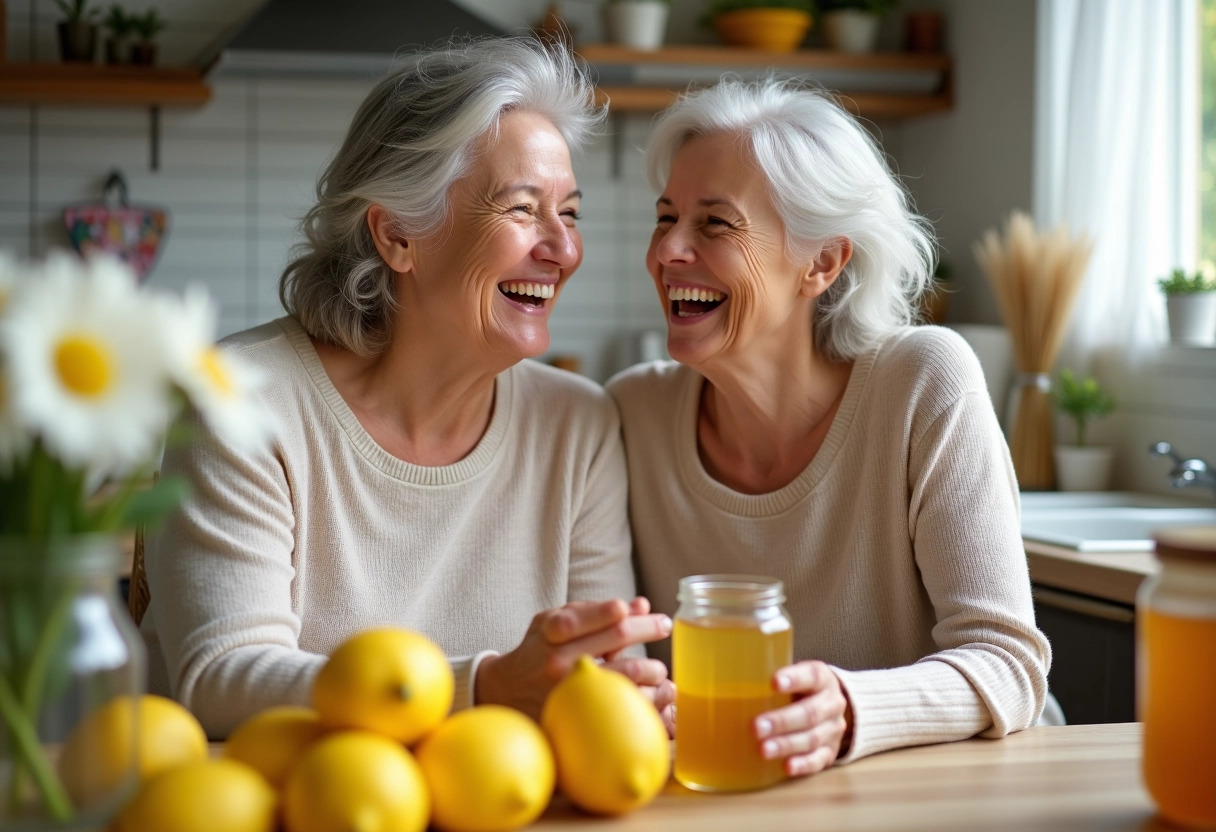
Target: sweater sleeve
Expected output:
[220,574]
[989,674]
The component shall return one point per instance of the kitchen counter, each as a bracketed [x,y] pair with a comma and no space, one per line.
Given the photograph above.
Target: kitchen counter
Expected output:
[1075,778]
[1114,576]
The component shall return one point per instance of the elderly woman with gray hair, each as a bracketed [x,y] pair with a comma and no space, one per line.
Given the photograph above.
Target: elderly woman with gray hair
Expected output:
[424,475]
[809,433]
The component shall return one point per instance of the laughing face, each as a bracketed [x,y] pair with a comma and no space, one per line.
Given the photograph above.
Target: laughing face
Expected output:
[490,277]
[718,257]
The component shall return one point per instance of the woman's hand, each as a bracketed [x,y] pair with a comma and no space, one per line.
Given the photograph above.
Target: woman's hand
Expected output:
[557,637]
[809,733]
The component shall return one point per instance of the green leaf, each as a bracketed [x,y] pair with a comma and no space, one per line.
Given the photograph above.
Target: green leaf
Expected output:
[148,506]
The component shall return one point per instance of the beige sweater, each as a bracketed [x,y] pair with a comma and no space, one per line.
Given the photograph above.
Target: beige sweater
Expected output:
[899,543]
[277,558]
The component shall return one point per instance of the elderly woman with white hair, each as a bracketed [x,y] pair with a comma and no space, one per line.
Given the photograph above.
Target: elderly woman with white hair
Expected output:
[809,433]
[424,475]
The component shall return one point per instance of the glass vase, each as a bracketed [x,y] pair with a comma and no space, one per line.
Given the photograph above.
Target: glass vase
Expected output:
[71,672]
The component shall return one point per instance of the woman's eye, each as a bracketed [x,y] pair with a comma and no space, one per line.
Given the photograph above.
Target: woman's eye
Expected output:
[665,218]
[716,221]
[523,209]
[572,214]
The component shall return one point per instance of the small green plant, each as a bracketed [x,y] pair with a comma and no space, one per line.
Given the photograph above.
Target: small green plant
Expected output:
[120,22]
[1082,399]
[875,7]
[1180,283]
[147,25]
[77,11]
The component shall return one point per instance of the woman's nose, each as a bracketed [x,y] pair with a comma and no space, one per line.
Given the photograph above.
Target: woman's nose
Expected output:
[671,246]
[559,244]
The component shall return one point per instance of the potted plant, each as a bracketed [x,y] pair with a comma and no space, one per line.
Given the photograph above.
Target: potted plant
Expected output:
[1190,302]
[147,26]
[638,24]
[88,392]
[77,30]
[121,26]
[772,25]
[852,25]
[1082,467]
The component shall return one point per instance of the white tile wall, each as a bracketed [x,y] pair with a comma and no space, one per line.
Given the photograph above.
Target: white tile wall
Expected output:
[237,174]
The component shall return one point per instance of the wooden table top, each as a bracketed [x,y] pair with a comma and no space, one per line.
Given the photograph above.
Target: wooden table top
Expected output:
[1114,576]
[1074,778]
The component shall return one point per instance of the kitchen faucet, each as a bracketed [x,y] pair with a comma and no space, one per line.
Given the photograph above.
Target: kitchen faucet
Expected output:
[1186,472]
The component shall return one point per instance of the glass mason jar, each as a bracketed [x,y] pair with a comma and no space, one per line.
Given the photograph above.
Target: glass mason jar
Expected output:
[1176,672]
[731,635]
[67,648]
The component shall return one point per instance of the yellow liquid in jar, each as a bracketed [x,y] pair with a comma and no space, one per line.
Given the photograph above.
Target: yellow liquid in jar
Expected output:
[1179,713]
[723,673]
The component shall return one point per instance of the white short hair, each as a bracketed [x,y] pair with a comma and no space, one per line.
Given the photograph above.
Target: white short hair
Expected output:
[828,179]
[412,138]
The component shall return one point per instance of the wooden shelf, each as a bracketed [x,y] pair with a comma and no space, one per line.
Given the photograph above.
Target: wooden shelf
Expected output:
[645,97]
[107,86]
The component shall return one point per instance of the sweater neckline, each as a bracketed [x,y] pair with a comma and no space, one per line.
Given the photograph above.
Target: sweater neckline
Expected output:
[693,472]
[471,465]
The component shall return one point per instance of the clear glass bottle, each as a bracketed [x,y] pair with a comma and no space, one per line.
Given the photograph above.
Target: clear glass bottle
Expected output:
[731,635]
[67,648]
[1176,673]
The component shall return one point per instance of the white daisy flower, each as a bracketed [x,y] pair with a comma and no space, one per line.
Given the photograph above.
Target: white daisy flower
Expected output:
[218,383]
[83,373]
[14,440]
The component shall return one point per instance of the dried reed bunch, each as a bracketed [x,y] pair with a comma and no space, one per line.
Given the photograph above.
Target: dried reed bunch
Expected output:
[1036,276]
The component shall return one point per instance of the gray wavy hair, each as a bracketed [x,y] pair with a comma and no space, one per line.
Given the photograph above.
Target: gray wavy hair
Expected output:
[414,136]
[827,178]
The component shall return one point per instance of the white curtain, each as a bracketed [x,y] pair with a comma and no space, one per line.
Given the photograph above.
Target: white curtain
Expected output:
[1115,154]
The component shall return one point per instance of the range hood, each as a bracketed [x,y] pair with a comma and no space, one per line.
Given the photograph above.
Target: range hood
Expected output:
[329,38]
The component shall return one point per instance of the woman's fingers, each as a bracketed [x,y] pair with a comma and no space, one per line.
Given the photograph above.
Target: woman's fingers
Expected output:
[651,672]
[636,629]
[825,734]
[813,763]
[805,713]
[579,618]
[803,677]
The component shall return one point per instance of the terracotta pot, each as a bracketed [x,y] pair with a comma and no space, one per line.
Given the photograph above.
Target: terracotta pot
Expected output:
[923,31]
[773,30]
[143,53]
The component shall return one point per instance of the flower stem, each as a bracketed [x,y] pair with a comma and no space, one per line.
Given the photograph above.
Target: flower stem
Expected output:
[52,627]
[25,742]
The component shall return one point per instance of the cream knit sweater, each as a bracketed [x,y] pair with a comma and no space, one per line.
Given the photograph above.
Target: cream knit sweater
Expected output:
[898,545]
[277,558]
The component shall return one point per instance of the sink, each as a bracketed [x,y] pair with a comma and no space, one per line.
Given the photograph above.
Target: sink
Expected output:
[1107,521]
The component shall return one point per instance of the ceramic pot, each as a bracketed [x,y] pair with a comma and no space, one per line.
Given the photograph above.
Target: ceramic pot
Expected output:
[1192,319]
[638,24]
[1083,467]
[850,30]
[77,41]
[773,30]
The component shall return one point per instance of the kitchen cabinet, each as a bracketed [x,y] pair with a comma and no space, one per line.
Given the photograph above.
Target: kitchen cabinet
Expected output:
[880,85]
[1093,642]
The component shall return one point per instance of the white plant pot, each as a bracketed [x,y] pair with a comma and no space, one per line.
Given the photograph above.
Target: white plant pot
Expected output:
[638,24]
[1192,319]
[1083,467]
[850,30]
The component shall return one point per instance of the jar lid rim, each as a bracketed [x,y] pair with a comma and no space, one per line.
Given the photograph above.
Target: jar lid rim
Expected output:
[1196,543]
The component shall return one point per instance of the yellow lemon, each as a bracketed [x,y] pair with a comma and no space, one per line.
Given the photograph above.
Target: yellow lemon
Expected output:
[394,682]
[612,750]
[490,769]
[272,741]
[97,755]
[203,797]
[356,781]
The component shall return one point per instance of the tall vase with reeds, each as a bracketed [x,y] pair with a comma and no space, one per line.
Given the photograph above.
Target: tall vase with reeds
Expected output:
[1036,276]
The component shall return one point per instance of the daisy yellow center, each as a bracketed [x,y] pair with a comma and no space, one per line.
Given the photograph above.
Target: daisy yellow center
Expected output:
[85,365]
[216,373]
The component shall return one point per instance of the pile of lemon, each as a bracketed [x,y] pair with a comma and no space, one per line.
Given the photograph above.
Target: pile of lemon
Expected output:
[379,751]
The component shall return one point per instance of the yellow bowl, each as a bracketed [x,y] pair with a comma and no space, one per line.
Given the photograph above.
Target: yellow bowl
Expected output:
[773,30]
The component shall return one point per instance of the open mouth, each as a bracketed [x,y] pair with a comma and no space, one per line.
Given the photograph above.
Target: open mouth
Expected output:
[691,303]
[531,294]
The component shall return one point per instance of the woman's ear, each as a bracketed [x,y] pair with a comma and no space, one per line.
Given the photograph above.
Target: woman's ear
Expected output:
[826,267]
[396,250]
